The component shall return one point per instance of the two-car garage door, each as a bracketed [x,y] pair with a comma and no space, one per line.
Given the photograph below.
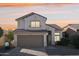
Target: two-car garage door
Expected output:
[30,41]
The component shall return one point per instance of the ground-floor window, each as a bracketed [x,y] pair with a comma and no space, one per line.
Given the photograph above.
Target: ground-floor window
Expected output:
[57,36]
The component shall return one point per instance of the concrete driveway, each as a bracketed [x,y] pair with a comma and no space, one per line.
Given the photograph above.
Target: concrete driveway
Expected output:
[49,51]
[4,51]
[27,52]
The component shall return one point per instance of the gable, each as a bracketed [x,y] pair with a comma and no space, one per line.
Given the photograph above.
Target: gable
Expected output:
[30,14]
[74,27]
[70,31]
[24,22]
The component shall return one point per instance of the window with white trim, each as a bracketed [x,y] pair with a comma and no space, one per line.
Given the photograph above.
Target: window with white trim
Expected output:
[35,24]
[57,36]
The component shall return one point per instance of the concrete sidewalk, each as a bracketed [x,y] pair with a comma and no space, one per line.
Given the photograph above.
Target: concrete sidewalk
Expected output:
[34,52]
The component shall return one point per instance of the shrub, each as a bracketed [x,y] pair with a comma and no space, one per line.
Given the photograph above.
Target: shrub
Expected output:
[64,41]
[58,42]
[75,40]
[10,36]
[65,34]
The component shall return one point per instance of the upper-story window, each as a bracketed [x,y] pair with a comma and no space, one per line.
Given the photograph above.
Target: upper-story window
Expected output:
[35,24]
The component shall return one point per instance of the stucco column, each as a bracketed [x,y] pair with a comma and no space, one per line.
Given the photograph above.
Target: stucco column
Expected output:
[53,38]
[61,35]
[45,40]
[15,40]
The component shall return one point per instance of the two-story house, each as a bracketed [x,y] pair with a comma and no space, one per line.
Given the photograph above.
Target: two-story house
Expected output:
[33,32]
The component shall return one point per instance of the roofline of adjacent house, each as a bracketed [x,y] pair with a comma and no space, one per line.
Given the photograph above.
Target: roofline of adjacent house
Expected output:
[67,25]
[27,15]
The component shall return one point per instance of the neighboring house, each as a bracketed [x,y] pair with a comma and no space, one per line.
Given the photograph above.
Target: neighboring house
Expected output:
[71,29]
[33,32]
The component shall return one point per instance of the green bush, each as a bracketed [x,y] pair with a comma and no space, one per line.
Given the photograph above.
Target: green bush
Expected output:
[75,40]
[10,36]
[65,41]
[58,42]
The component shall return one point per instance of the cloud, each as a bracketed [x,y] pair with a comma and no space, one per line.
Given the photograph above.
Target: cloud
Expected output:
[35,4]
[63,22]
[57,13]
[7,21]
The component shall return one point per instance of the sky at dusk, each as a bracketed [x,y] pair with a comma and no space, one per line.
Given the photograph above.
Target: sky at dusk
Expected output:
[56,13]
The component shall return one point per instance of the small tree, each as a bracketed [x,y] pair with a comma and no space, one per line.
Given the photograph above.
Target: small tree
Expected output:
[1,32]
[10,36]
